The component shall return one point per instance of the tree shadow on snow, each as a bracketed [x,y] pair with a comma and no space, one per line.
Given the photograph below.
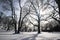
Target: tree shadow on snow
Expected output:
[31,38]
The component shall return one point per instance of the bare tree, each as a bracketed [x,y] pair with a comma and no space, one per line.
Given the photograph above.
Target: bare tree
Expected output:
[11,8]
[22,18]
[35,8]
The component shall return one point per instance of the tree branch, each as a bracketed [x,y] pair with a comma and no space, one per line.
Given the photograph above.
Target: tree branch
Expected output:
[33,18]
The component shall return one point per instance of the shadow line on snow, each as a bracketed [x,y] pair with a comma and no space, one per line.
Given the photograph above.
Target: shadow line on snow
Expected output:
[31,38]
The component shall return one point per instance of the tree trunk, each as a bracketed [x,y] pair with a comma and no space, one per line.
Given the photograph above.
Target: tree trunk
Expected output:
[20,25]
[15,28]
[59,11]
[58,3]
[38,24]
[8,27]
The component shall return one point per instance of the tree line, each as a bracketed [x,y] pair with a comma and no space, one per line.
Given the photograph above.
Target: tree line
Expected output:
[30,8]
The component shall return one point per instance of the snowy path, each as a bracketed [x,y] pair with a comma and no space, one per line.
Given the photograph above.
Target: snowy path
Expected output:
[29,36]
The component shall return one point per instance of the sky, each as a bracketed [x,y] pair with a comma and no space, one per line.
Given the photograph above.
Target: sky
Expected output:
[16,7]
[15,4]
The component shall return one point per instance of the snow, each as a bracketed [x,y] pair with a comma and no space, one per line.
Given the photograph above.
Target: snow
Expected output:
[29,36]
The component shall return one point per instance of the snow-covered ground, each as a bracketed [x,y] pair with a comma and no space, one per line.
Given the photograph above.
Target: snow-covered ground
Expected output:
[30,36]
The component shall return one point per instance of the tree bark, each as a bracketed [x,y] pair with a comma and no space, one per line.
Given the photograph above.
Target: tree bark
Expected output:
[58,3]
[15,28]
[38,24]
